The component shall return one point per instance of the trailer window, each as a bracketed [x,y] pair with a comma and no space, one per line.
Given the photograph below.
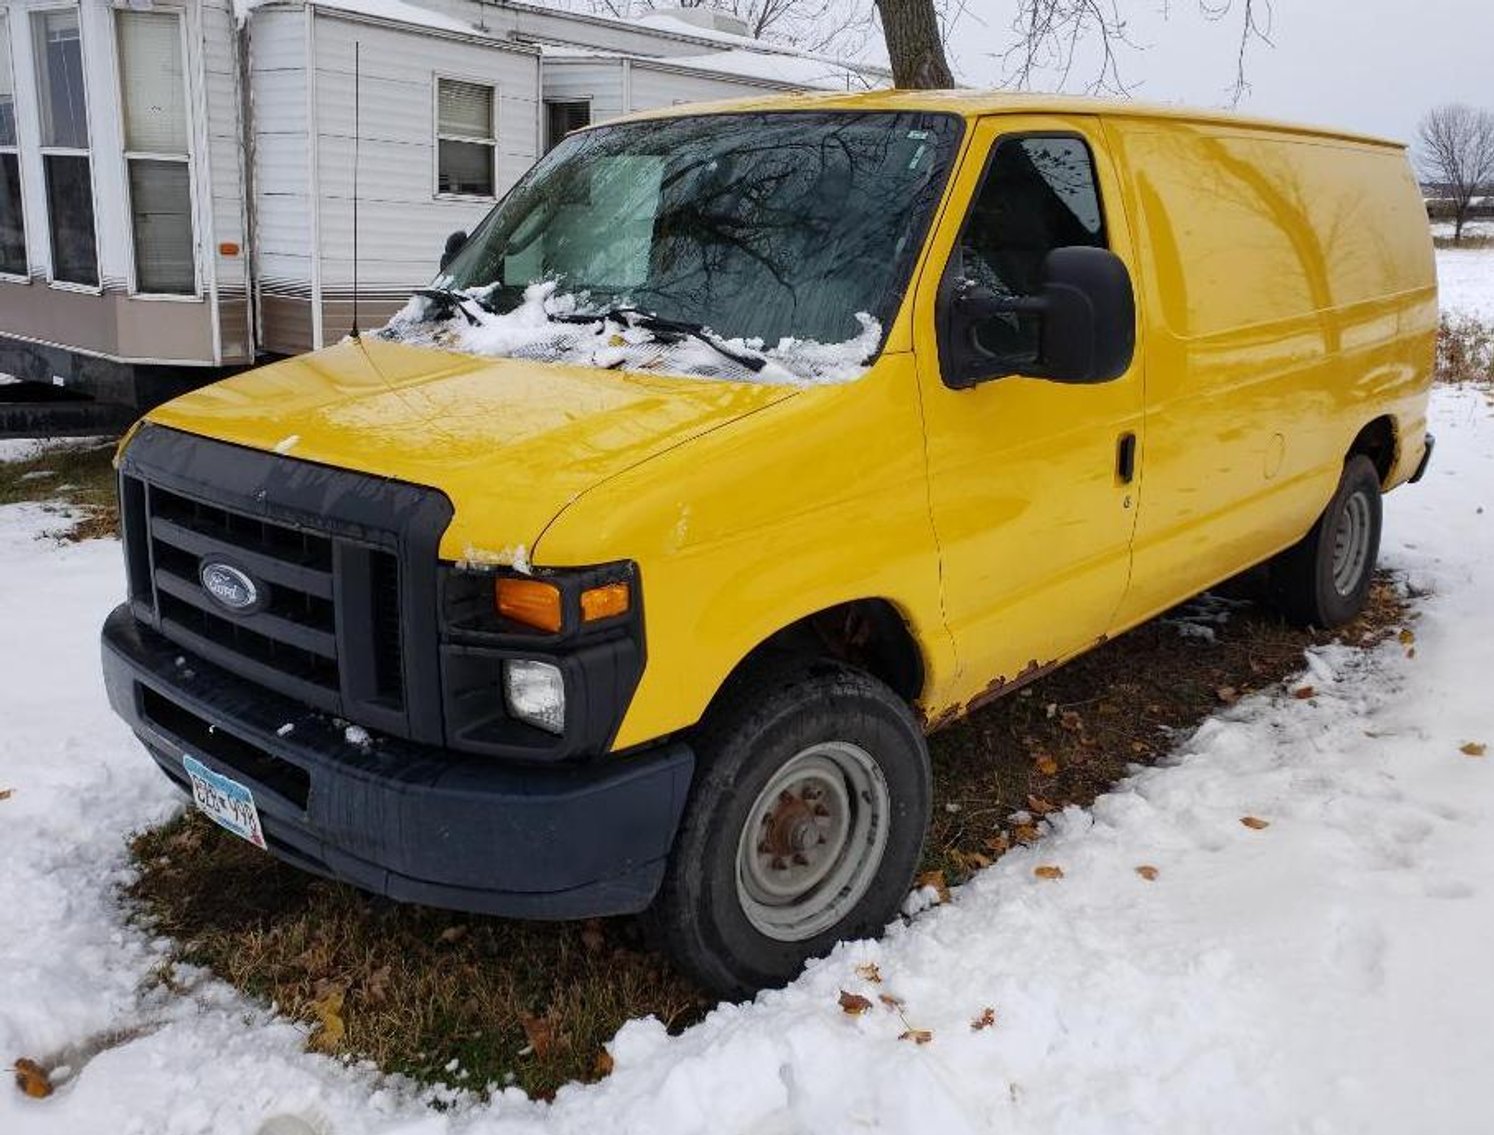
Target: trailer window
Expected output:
[563,117]
[464,139]
[154,97]
[67,165]
[12,223]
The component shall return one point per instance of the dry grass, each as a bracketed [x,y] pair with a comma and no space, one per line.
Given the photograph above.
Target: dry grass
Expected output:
[533,1004]
[1465,350]
[1476,239]
[77,475]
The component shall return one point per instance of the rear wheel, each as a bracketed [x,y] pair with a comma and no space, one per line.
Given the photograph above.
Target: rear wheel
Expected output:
[1324,579]
[804,825]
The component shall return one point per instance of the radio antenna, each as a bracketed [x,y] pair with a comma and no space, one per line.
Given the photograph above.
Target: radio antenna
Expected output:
[357,138]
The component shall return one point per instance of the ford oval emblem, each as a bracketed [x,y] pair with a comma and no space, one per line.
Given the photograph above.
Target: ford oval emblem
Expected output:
[228,585]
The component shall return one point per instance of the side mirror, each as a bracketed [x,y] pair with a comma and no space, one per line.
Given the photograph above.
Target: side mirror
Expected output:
[1085,313]
[453,245]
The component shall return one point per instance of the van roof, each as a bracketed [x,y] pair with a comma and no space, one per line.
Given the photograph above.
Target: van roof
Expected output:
[974,104]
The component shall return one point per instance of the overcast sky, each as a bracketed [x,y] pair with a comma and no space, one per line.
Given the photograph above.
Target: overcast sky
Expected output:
[1369,65]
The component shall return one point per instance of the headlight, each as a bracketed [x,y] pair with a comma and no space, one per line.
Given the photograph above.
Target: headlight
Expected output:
[535,693]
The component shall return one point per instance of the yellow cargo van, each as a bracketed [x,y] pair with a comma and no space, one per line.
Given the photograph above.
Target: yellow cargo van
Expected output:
[738,448]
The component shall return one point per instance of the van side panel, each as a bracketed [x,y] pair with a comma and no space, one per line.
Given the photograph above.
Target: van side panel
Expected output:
[816,500]
[1289,294]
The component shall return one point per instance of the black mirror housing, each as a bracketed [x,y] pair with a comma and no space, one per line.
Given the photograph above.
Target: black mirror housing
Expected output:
[1087,310]
[453,245]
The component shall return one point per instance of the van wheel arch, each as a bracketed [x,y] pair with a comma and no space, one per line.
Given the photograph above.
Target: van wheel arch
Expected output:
[871,635]
[1380,442]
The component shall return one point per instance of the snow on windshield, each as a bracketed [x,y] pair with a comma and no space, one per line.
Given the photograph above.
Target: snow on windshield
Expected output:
[552,326]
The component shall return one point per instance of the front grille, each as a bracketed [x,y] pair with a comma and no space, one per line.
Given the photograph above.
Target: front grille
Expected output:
[292,642]
[346,563]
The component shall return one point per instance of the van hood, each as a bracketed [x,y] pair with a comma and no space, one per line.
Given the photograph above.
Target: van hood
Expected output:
[511,442]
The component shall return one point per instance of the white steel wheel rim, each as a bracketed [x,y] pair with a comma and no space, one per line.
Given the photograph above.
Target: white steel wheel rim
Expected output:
[813,841]
[1351,543]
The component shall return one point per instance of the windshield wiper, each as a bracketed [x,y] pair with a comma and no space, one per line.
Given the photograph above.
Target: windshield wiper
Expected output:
[668,331]
[456,301]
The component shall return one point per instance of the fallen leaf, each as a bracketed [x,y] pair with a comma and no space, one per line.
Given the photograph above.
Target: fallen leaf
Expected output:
[1046,765]
[1255,822]
[868,971]
[603,1066]
[890,1001]
[1025,833]
[934,879]
[539,1032]
[1039,805]
[998,843]
[1071,721]
[1304,692]
[1147,872]
[1411,653]
[917,1036]
[7,793]
[32,1079]
[969,862]
[853,1004]
[1407,636]
[328,1010]
[1474,749]
[1047,871]
[1227,694]
[986,1019]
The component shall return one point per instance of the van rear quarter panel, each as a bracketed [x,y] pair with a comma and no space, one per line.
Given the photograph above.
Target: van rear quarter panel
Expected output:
[1289,295]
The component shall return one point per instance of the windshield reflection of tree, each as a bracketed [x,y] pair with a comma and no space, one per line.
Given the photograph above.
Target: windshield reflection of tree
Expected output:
[781,209]
[764,225]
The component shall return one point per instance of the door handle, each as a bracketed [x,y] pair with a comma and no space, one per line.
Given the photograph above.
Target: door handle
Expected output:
[1125,458]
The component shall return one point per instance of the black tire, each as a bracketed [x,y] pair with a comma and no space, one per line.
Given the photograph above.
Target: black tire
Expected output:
[767,726]
[1313,582]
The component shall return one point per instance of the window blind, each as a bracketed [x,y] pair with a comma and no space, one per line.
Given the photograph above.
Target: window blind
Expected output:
[152,83]
[464,110]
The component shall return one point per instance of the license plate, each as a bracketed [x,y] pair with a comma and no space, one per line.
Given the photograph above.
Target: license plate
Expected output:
[225,800]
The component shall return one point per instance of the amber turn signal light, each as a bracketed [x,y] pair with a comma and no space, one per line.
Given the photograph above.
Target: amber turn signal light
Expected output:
[532,602]
[604,602]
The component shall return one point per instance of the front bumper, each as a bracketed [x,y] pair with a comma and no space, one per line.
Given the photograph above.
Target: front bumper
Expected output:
[414,822]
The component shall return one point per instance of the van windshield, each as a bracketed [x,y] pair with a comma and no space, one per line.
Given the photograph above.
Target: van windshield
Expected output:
[784,238]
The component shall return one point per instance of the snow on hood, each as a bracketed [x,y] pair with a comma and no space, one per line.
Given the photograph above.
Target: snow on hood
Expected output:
[539,329]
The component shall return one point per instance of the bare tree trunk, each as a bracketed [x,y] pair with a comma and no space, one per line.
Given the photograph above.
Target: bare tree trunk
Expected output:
[911,28]
[1458,224]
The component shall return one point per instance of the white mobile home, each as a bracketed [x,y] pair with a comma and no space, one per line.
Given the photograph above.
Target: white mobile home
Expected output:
[177,179]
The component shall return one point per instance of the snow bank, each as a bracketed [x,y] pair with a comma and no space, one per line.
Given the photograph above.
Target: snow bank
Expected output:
[539,329]
[1326,972]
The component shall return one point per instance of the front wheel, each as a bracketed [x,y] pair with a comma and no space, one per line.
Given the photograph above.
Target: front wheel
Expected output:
[1324,579]
[804,826]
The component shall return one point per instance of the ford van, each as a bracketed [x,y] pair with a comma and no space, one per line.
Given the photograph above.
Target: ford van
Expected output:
[737,449]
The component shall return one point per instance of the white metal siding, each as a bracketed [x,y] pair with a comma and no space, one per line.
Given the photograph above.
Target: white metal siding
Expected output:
[653,87]
[282,191]
[403,224]
[598,81]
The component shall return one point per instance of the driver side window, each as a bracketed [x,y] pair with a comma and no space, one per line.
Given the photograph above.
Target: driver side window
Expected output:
[1039,193]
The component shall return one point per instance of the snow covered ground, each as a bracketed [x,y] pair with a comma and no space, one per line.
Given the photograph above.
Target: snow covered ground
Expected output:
[1465,277]
[1326,972]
